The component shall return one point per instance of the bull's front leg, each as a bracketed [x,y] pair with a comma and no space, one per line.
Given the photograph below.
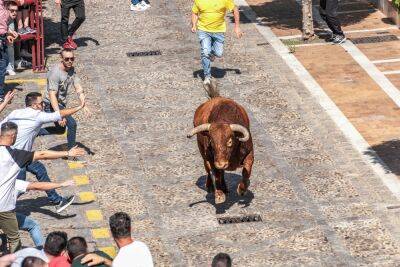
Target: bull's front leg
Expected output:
[220,186]
[246,172]
[210,181]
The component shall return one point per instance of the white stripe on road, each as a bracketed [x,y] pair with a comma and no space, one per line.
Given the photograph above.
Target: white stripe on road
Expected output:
[389,72]
[351,133]
[389,60]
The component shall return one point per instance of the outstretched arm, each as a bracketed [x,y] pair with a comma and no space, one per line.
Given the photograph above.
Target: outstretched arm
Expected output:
[236,15]
[49,154]
[45,186]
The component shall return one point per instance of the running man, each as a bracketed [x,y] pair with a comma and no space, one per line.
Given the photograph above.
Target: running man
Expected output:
[208,20]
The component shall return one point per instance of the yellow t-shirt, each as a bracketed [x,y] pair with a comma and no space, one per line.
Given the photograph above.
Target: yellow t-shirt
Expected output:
[212,14]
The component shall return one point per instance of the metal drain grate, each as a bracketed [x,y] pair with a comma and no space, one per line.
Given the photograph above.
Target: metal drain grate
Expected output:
[144,53]
[239,219]
[375,39]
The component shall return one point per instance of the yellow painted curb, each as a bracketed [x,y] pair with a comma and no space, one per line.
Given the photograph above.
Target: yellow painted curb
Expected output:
[81,179]
[75,165]
[110,251]
[94,215]
[100,233]
[87,196]
[39,81]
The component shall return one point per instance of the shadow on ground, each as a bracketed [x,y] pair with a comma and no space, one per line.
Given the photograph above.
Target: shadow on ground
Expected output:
[27,206]
[389,153]
[286,14]
[216,72]
[232,180]
[63,147]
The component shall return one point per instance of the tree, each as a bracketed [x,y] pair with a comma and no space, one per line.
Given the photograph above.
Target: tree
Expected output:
[308,26]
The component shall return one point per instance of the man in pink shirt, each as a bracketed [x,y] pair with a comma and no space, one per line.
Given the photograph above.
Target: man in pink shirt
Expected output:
[5,37]
[55,249]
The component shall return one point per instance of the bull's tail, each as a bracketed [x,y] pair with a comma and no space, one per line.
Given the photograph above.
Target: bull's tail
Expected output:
[212,89]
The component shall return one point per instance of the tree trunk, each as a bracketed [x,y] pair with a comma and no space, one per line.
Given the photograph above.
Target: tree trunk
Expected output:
[308,27]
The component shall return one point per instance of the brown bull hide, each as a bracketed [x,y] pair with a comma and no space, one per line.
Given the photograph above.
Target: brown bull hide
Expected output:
[221,121]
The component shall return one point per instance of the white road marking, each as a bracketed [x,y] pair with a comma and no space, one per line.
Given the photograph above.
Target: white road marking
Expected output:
[389,72]
[389,60]
[351,133]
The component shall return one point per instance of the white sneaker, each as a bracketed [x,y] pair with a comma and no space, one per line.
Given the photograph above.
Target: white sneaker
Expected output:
[10,71]
[207,81]
[145,4]
[137,7]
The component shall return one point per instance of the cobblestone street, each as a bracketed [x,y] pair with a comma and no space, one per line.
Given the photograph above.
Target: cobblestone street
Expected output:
[321,204]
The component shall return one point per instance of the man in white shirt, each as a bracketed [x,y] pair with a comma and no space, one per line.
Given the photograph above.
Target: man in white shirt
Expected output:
[11,162]
[30,120]
[132,253]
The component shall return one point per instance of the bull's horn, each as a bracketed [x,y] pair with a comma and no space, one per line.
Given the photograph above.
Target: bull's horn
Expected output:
[242,130]
[199,129]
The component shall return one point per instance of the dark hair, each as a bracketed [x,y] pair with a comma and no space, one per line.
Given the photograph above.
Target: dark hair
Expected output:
[33,262]
[221,260]
[76,246]
[31,97]
[55,243]
[11,3]
[120,225]
[8,127]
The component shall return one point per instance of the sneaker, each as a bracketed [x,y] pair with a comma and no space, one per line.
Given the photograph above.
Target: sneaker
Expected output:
[64,203]
[10,71]
[339,39]
[207,81]
[23,64]
[22,31]
[76,159]
[1,99]
[72,42]
[25,53]
[30,30]
[137,7]
[145,4]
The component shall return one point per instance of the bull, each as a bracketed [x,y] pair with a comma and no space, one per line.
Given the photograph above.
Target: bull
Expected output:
[225,143]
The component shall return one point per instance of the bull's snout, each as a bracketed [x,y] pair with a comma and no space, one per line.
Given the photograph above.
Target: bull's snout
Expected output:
[222,165]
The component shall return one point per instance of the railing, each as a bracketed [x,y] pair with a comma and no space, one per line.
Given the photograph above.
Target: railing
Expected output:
[36,22]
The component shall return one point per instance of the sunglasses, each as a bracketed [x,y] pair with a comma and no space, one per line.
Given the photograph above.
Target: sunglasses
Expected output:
[69,59]
[40,103]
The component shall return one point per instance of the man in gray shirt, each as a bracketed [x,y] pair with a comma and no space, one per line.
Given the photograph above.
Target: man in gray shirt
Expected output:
[60,80]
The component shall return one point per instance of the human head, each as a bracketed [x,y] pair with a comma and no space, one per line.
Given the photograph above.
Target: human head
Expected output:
[120,225]
[12,9]
[8,133]
[56,243]
[34,100]
[221,260]
[76,246]
[67,58]
[33,262]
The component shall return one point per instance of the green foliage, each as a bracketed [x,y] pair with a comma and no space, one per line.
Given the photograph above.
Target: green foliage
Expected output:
[396,3]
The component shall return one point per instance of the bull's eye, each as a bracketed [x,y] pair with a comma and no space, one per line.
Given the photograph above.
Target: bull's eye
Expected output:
[229,143]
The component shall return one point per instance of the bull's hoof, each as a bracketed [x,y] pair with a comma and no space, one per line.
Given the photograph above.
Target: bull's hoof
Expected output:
[219,197]
[241,190]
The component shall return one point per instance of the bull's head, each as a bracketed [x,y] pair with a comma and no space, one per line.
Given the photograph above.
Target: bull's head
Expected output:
[222,139]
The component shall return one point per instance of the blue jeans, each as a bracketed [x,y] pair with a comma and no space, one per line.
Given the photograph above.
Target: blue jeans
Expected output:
[3,64]
[135,2]
[39,170]
[58,129]
[27,224]
[212,43]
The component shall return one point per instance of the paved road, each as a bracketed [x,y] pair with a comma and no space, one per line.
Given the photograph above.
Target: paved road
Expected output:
[320,204]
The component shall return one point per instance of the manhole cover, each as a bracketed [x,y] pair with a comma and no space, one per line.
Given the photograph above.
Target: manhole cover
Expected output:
[239,219]
[144,53]
[375,39]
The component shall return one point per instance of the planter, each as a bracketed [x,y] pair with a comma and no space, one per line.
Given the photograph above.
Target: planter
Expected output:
[390,11]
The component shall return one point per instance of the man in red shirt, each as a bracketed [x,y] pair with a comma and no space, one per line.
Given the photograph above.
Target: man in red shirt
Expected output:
[55,248]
